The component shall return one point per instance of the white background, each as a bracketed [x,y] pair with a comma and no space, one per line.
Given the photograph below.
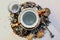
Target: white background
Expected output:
[5,30]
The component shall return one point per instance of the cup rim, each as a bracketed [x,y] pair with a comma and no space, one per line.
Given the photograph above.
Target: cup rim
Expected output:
[23,12]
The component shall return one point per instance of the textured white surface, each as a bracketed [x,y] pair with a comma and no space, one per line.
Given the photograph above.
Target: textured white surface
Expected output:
[6,31]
